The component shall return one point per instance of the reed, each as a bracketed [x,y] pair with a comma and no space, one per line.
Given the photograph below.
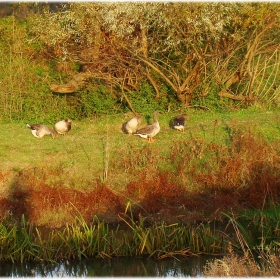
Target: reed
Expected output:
[23,242]
[263,225]
[245,265]
[161,240]
[20,242]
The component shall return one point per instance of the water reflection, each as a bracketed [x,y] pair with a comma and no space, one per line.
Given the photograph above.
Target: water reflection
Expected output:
[128,267]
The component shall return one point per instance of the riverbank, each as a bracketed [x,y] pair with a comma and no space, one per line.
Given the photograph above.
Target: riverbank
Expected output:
[84,185]
[221,163]
[229,253]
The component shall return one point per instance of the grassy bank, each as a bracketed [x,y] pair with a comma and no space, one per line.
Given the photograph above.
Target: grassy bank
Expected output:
[86,142]
[109,194]
[222,162]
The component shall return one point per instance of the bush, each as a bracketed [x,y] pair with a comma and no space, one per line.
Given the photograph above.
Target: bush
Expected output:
[143,101]
[96,101]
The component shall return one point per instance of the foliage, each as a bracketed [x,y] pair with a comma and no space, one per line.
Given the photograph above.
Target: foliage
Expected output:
[96,102]
[182,45]
[265,224]
[144,101]
[22,242]
[163,54]
[266,263]
[213,102]
[24,91]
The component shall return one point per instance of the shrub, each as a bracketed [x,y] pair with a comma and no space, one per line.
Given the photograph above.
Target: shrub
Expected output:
[143,100]
[96,101]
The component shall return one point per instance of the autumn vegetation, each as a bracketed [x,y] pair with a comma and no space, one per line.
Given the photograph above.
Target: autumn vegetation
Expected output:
[99,64]
[91,59]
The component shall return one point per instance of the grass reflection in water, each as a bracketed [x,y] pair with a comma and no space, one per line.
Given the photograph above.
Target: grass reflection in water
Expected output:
[124,266]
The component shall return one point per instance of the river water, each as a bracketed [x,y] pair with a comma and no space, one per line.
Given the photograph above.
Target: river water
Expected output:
[117,267]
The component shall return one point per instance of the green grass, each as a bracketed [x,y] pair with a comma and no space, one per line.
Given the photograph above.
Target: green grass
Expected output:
[81,153]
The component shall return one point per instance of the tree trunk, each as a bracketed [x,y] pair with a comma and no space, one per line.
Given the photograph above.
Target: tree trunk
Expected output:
[75,84]
[185,97]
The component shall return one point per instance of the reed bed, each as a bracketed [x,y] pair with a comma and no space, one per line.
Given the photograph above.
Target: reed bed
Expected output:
[263,262]
[22,242]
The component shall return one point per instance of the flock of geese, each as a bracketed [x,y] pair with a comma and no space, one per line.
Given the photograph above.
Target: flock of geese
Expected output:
[151,130]
[40,130]
[130,127]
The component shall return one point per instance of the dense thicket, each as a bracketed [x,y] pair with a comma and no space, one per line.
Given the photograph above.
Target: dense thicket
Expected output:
[86,59]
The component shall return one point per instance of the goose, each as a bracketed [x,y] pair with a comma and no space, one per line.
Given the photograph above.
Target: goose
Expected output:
[179,122]
[149,131]
[131,126]
[62,127]
[40,130]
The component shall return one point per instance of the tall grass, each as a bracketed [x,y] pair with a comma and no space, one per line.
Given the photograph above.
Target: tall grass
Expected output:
[22,242]
[266,264]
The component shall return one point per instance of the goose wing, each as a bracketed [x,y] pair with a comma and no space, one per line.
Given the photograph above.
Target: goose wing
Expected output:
[180,120]
[146,130]
[35,126]
[63,126]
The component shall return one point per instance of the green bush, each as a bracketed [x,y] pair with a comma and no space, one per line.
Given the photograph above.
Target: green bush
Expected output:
[96,101]
[213,101]
[25,93]
[143,101]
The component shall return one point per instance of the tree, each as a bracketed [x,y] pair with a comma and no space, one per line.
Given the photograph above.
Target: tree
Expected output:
[189,46]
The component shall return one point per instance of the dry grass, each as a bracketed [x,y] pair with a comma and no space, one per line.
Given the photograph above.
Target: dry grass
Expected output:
[233,265]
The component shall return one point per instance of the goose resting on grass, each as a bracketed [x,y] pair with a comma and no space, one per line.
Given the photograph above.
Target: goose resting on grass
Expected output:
[149,131]
[62,127]
[131,126]
[179,122]
[40,130]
